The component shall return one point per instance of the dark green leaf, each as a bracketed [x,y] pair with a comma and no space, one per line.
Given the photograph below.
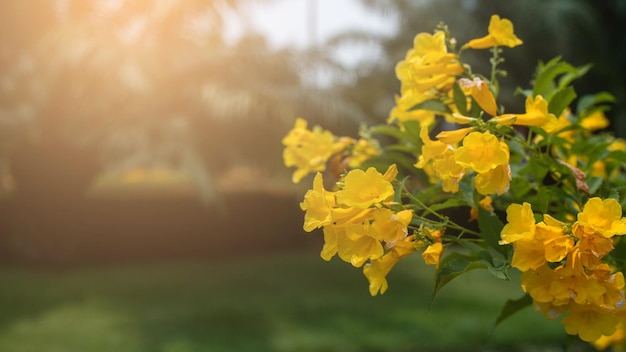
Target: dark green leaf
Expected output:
[453,265]
[490,227]
[519,186]
[513,306]
[459,99]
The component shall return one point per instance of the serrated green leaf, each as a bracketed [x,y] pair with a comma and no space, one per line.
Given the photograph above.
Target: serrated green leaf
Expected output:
[490,227]
[513,306]
[561,99]
[431,105]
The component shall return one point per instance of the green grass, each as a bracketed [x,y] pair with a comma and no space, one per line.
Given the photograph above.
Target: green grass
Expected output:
[294,302]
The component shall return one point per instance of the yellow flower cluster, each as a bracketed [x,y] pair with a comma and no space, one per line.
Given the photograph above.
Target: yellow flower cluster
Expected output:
[490,161]
[562,265]
[357,225]
[310,150]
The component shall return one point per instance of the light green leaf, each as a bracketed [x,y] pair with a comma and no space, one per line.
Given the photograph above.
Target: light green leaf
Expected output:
[432,105]
[561,99]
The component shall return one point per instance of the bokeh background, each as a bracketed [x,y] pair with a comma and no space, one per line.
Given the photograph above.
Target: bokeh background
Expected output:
[143,201]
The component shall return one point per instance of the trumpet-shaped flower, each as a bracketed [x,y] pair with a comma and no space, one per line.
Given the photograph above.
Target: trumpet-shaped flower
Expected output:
[521,223]
[364,188]
[589,322]
[391,227]
[494,181]
[308,150]
[317,204]
[482,152]
[536,113]
[376,270]
[481,93]
[600,216]
[363,150]
[448,170]
[431,47]
[432,254]
[455,136]
[402,112]
[537,284]
[500,34]
[595,121]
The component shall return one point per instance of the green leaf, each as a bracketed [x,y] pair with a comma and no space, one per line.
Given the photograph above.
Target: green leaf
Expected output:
[389,131]
[546,74]
[513,306]
[459,99]
[587,101]
[594,184]
[432,105]
[490,227]
[520,186]
[453,265]
[450,203]
[561,99]
[568,78]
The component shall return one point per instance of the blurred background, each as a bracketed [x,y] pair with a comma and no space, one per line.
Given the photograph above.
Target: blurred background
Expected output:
[143,201]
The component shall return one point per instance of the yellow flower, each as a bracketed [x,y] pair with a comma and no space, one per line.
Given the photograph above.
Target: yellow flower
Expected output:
[432,254]
[428,66]
[537,283]
[493,181]
[549,244]
[401,113]
[485,203]
[308,150]
[557,244]
[479,90]
[595,121]
[482,152]
[376,270]
[363,150]
[455,136]
[317,204]
[364,188]
[500,34]
[358,244]
[448,170]
[430,149]
[521,223]
[589,322]
[391,227]
[600,216]
[536,113]
[431,47]
[528,254]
